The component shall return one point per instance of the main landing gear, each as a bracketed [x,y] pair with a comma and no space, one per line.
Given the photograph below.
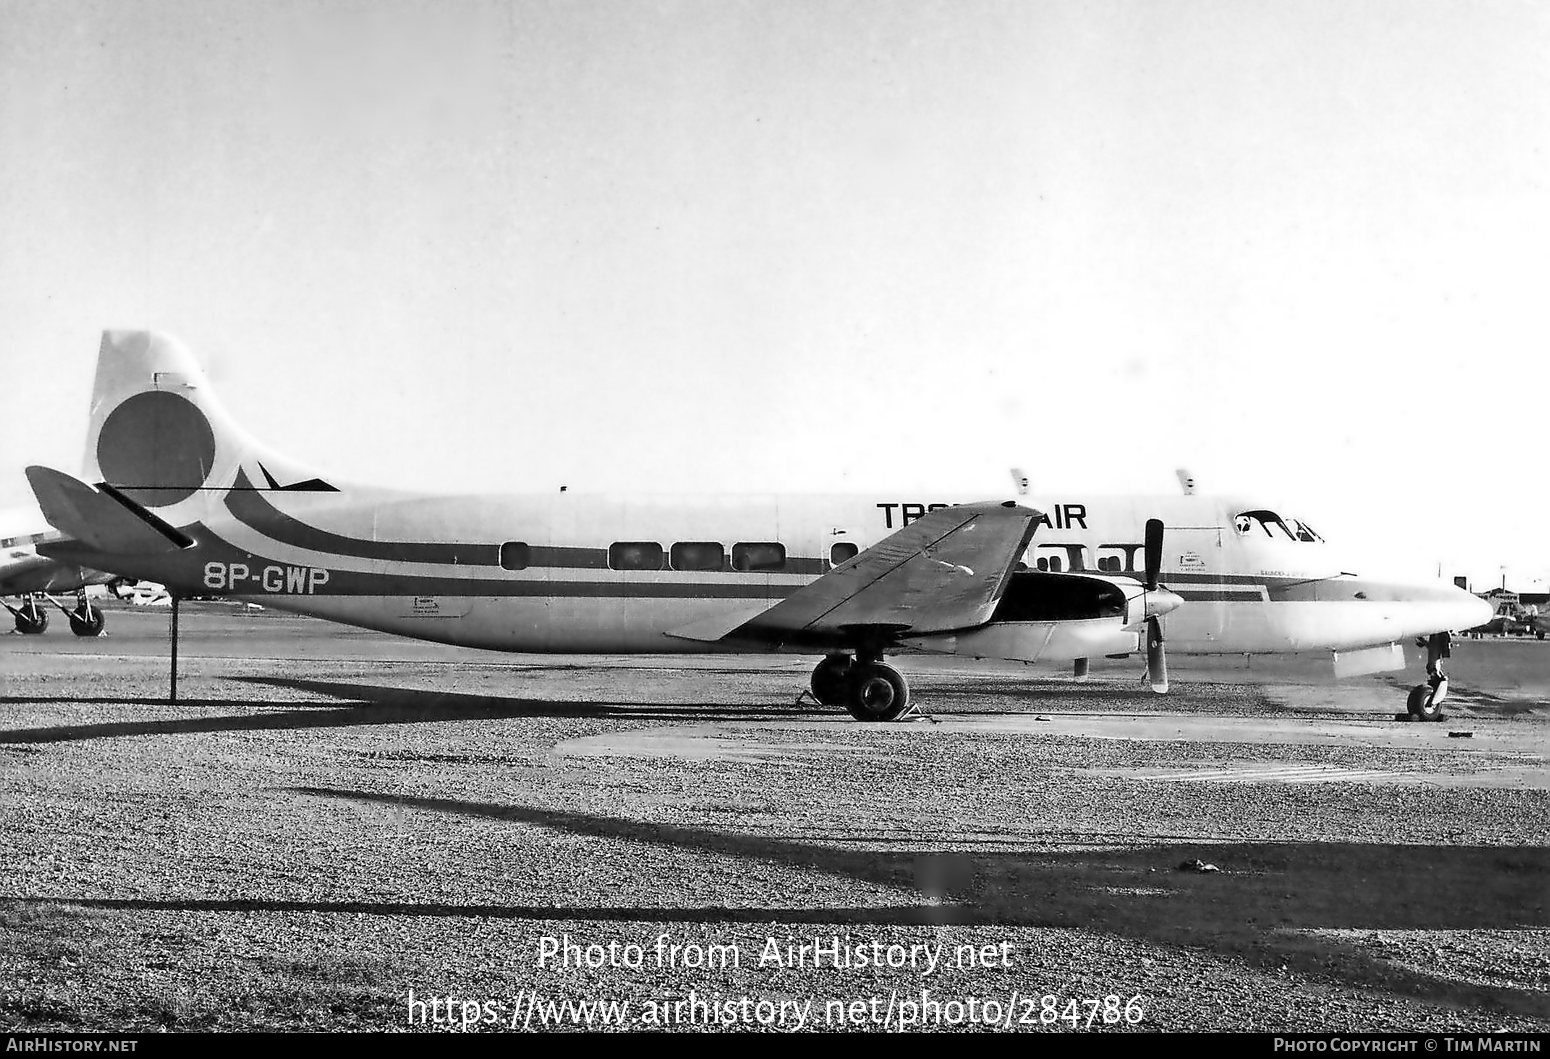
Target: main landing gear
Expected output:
[85,619]
[32,618]
[868,688]
[1425,702]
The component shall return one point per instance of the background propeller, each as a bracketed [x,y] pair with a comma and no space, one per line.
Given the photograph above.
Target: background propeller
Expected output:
[1156,657]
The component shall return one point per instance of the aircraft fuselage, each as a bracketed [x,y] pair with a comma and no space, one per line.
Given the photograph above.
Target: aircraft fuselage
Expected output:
[571,572]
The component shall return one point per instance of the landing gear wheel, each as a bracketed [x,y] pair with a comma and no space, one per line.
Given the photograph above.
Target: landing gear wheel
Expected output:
[831,679]
[1421,704]
[31,619]
[1425,701]
[86,620]
[877,692]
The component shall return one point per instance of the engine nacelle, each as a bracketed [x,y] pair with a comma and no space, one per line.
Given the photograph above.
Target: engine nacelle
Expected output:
[1053,617]
[1041,597]
[1035,641]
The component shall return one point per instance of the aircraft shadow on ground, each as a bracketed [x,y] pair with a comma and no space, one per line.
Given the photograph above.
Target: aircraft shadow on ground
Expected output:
[541,913]
[1483,703]
[1255,908]
[367,705]
[1259,908]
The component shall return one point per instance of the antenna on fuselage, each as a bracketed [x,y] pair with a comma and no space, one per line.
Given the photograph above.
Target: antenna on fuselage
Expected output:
[1186,481]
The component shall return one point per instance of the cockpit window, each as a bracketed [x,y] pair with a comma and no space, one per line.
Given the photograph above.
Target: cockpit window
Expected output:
[1253,523]
[1306,532]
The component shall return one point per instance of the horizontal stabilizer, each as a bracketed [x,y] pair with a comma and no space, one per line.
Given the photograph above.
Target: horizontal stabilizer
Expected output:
[944,571]
[105,519]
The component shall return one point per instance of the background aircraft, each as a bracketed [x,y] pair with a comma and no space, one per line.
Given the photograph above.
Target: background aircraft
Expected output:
[1510,617]
[37,578]
[147,594]
[189,500]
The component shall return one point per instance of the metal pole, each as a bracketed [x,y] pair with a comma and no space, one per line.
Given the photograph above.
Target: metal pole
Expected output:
[172,697]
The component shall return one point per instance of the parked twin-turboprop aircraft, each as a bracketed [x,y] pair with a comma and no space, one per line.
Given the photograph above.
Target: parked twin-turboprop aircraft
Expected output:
[186,498]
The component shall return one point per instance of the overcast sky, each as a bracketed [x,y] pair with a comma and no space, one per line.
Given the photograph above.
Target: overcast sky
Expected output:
[1300,248]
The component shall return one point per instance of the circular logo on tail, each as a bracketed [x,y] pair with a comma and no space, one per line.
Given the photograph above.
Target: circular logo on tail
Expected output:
[157,447]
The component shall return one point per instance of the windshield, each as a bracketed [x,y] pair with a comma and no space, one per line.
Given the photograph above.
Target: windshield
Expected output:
[1265,523]
[1268,523]
[1306,532]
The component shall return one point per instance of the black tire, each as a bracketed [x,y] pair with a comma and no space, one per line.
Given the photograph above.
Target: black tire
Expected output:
[831,680]
[1539,634]
[31,619]
[1421,706]
[877,692]
[87,621]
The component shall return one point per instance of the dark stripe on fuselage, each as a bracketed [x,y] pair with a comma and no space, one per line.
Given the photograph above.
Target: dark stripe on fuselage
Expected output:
[185,573]
[252,509]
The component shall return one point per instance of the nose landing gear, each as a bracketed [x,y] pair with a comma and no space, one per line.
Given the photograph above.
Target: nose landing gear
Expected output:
[868,688]
[1425,701]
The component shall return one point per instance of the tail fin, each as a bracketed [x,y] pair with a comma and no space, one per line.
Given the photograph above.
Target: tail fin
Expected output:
[159,435]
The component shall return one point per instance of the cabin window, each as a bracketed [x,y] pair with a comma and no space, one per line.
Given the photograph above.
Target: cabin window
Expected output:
[758,556]
[1060,556]
[697,555]
[1119,558]
[635,555]
[842,552]
[515,555]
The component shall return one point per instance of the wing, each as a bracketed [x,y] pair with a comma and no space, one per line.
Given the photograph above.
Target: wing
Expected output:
[944,571]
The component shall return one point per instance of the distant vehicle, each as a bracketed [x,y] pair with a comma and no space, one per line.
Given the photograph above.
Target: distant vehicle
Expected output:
[1535,624]
[1501,625]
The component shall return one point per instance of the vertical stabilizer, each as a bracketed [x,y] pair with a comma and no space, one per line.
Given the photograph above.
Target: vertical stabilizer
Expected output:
[158,433]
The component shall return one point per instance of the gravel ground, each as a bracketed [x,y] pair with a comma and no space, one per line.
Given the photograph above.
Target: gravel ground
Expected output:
[339,831]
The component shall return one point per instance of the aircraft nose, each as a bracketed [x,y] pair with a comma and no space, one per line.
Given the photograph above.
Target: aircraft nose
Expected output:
[1160,601]
[1470,611]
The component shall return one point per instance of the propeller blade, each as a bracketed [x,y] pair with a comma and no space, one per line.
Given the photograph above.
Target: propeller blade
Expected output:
[1154,543]
[1156,657]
